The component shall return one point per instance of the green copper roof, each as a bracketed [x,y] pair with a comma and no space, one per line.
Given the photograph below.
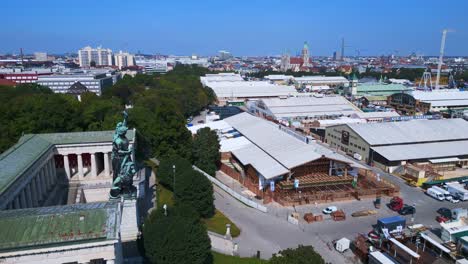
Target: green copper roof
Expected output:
[82,137]
[306,46]
[20,157]
[381,89]
[30,147]
[50,226]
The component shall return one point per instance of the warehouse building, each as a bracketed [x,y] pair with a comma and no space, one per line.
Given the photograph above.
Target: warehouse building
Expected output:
[221,77]
[442,144]
[331,81]
[315,107]
[421,102]
[358,90]
[274,164]
[237,92]
[63,83]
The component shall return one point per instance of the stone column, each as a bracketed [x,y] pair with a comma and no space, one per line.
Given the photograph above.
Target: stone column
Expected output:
[35,194]
[29,195]
[93,165]
[17,203]
[23,203]
[106,164]
[39,193]
[66,166]
[111,168]
[51,174]
[54,170]
[80,167]
[43,184]
[46,177]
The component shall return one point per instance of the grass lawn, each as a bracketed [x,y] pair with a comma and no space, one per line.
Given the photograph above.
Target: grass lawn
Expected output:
[225,259]
[218,222]
[165,196]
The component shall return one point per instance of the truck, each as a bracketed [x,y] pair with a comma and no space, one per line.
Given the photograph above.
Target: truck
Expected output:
[457,190]
[458,213]
[447,194]
[435,194]
[391,224]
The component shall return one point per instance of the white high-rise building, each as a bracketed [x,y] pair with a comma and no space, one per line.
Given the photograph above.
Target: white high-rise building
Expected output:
[224,55]
[100,56]
[40,56]
[124,59]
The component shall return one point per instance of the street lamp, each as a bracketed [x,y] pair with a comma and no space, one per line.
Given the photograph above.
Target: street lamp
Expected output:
[173,171]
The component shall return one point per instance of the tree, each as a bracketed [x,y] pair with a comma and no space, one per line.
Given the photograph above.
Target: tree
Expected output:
[165,173]
[194,189]
[300,255]
[205,151]
[179,237]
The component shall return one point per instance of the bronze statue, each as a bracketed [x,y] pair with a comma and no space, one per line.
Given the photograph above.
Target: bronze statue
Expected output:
[120,146]
[122,164]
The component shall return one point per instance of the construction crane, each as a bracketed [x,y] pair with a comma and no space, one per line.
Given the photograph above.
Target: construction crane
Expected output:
[343,49]
[441,56]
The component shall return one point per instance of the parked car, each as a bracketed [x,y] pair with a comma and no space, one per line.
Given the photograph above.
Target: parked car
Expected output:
[330,209]
[455,199]
[445,212]
[441,219]
[407,209]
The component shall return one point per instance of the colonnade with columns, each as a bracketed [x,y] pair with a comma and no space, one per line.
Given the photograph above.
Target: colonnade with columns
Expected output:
[37,188]
[98,163]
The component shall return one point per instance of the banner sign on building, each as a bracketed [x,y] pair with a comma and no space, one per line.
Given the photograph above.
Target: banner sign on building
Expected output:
[407,118]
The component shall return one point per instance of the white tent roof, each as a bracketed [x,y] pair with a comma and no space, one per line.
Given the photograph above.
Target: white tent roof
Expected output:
[412,131]
[253,89]
[310,106]
[282,147]
[434,242]
[405,248]
[433,150]
[261,161]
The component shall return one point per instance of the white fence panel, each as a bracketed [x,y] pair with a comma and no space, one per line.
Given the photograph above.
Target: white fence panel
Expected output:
[234,194]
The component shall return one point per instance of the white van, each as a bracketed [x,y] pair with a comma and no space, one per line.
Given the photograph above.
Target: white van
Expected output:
[435,194]
[447,194]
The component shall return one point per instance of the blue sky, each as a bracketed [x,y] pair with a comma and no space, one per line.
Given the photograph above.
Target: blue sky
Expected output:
[244,27]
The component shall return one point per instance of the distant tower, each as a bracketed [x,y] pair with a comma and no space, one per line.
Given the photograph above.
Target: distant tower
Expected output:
[334,56]
[353,82]
[305,55]
[342,49]
[285,62]
[451,82]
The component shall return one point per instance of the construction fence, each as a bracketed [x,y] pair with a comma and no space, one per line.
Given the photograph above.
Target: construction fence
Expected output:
[234,194]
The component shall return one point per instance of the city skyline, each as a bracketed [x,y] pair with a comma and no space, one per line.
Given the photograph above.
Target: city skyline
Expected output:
[257,28]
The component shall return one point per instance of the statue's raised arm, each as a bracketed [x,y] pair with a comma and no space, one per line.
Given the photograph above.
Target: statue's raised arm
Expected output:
[125,115]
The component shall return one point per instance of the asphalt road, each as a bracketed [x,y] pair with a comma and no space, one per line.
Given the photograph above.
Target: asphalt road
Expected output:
[270,232]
